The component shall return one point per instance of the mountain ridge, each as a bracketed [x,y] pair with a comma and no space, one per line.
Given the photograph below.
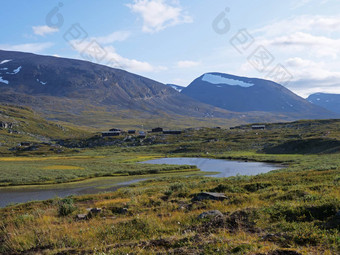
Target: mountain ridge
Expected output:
[243,94]
[329,101]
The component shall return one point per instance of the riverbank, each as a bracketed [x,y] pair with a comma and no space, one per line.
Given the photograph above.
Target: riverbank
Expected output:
[278,211]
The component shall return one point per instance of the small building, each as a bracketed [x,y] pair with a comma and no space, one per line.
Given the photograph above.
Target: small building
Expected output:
[26,144]
[158,129]
[258,127]
[115,130]
[142,134]
[131,132]
[172,132]
[111,133]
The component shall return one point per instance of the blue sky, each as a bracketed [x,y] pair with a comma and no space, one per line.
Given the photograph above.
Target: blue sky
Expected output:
[296,43]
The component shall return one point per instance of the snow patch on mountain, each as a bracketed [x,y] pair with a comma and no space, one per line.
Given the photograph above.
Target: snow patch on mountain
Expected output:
[41,82]
[218,79]
[3,81]
[176,88]
[17,70]
[5,61]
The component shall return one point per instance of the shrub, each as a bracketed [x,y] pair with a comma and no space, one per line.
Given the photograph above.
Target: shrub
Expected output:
[66,207]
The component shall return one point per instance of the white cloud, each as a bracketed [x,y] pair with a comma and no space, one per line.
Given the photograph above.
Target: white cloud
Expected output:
[187,64]
[321,46]
[310,76]
[309,47]
[44,30]
[304,23]
[28,47]
[117,36]
[158,14]
[107,55]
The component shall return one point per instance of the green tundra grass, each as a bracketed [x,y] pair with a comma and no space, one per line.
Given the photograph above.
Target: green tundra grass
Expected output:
[289,211]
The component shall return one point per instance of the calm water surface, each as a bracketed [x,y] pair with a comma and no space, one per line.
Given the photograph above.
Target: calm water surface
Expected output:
[226,168]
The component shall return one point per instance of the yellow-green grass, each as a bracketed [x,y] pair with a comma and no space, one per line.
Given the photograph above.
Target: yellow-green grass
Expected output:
[296,208]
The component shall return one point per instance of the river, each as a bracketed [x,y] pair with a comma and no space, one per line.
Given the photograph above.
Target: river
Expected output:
[225,168]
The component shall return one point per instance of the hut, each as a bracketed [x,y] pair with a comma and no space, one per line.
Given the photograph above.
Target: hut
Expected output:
[258,127]
[172,132]
[142,134]
[110,133]
[115,130]
[157,129]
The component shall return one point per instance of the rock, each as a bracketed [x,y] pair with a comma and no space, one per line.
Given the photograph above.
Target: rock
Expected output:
[209,196]
[210,214]
[95,210]
[81,217]
[119,210]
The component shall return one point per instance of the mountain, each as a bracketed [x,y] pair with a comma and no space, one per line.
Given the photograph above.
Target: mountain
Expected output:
[175,87]
[330,102]
[241,94]
[93,95]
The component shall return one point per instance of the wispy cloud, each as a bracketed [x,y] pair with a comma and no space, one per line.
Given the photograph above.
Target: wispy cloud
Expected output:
[304,23]
[117,36]
[108,56]
[44,30]
[321,46]
[311,76]
[308,47]
[27,47]
[187,64]
[159,14]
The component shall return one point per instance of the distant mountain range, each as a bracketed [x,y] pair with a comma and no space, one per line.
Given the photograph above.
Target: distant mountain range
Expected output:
[97,96]
[93,95]
[241,94]
[330,102]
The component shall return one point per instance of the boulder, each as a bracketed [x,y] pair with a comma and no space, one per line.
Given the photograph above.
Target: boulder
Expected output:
[95,210]
[119,210]
[81,217]
[209,196]
[210,214]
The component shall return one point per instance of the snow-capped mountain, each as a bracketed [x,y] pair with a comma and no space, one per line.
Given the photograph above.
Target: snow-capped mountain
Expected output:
[74,91]
[242,94]
[330,102]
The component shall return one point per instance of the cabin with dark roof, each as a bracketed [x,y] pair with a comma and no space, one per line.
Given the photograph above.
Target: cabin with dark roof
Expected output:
[142,134]
[115,130]
[172,132]
[131,132]
[111,133]
[258,127]
[158,129]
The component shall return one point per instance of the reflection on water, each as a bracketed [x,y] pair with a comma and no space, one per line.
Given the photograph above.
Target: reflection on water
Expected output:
[226,168]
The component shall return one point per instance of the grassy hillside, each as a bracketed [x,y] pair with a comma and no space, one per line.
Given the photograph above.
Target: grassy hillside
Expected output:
[21,124]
